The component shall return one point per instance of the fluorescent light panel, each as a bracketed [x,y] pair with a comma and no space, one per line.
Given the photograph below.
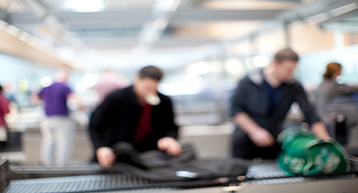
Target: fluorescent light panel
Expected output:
[344,9]
[85,5]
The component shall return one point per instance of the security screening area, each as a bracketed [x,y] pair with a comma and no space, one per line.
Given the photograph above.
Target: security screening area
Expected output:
[178,96]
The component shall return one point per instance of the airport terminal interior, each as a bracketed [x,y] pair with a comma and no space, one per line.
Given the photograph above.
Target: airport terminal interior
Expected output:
[204,48]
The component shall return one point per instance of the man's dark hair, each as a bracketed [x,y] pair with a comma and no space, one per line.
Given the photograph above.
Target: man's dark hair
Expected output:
[0,88]
[151,72]
[286,54]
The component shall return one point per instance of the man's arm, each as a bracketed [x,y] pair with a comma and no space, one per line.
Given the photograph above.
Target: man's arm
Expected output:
[169,143]
[36,97]
[310,115]
[170,117]
[320,131]
[260,136]
[77,100]
[98,126]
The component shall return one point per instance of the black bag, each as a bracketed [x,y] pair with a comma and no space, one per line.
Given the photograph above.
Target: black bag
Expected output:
[157,166]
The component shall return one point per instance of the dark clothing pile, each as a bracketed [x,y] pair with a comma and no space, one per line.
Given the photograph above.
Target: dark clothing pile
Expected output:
[157,166]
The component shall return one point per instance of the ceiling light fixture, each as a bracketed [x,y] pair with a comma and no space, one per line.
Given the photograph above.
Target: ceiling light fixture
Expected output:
[318,18]
[344,9]
[85,5]
[166,5]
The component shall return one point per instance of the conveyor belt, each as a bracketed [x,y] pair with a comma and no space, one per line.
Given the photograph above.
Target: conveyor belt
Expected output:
[257,174]
[271,174]
[41,171]
[264,171]
[100,183]
[76,183]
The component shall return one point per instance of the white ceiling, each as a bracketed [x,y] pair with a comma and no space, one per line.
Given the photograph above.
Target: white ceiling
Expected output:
[130,33]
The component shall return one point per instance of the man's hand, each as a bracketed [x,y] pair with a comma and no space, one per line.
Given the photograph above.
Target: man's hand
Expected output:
[77,101]
[34,98]
[169,145]
[262,138]
[258,135]
[105,156]
[320,131]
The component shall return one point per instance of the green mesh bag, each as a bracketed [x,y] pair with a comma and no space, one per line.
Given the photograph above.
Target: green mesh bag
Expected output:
[304,154]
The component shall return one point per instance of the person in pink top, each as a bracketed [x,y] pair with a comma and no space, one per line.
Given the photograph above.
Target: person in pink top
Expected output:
[4,109]
[109,81]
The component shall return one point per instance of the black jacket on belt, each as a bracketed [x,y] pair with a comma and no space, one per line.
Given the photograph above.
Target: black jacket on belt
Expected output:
[116,119]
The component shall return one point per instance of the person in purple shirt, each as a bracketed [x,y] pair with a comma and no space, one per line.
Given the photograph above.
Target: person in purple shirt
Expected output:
[55,98]
[57,128]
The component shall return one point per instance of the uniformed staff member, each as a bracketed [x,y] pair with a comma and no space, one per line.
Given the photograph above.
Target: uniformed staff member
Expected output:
[259,106]
[138,115]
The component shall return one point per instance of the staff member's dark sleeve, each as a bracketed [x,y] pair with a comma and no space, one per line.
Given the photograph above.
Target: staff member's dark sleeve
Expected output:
[172,127]
[238,98]
[98,125]
[308,110]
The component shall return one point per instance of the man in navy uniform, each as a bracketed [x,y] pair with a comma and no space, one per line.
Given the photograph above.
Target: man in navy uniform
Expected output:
[260,104]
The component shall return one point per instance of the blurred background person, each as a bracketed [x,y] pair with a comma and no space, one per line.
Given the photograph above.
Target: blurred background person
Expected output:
[138,115]
[57,128]
[4,109]
[328,90]
[260,104]
[109,81]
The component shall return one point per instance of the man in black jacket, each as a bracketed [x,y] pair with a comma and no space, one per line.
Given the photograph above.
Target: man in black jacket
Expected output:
[138,115]
[260,104]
